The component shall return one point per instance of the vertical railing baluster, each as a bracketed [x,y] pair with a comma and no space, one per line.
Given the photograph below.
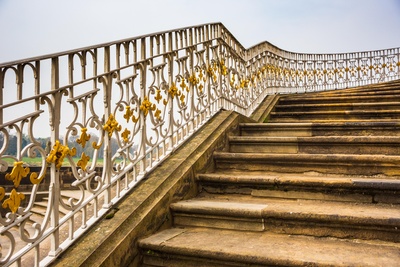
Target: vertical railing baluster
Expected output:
[54,172]
[37,83]
[142,118]
[107,164]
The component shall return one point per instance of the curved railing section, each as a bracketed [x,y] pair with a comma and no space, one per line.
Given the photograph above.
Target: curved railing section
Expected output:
[79,129]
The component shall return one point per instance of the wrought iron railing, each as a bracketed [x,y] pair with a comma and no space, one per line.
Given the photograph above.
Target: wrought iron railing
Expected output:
[112,112]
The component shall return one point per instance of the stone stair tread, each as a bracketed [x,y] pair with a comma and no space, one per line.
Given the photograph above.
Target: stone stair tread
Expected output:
[275,178]
[308,210]
[355,104]
[267,249]
[390,123]
[321,128]
[342,98]
[381,158]
[334,112]
[328,139]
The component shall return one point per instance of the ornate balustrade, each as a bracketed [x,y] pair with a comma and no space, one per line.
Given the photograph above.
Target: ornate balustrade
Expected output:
[125,106]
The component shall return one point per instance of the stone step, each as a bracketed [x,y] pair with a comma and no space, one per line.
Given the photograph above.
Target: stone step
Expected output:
[303,186]
[290,216]
[338,107]
[206,247]
[321,129]
[299,163]
[342,96]
[340,115]
[316,145]
[358,91]
[375,89]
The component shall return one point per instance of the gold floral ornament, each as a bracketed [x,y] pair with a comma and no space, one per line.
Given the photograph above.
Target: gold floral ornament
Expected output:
[125,135]
[193,79]
[146,106]
[14,201]
[183,85]
[201,79]
[83,138]
[210,72]
[244,83]
[111,125]
[17,173]
[173,91]
[128,113]
[232,82]
[82,163]
[58,153]
[224,69]
[2,193]
[157,114]
[158,96]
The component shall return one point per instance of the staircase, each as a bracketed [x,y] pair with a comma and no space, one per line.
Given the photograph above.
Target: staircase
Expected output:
[317,185]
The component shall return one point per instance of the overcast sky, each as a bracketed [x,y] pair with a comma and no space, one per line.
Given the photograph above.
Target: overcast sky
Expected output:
[37,27]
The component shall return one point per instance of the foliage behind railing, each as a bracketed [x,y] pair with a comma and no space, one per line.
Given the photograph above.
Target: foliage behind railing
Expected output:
[126,105]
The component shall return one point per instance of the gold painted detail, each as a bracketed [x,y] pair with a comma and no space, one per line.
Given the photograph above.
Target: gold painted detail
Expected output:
[82,163]
[35,179]
[125,135]
[17,173]
[2,193]
[83,138]
[58,153]
[193,79]
[14,201]
[158,96]
[128,114]
[147,106]
[173,91]
[223,68]
[111,125]
[183,85]
[212,70]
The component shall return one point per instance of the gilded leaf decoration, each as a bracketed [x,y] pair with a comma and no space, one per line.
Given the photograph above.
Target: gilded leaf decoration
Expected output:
[58,153]
[83,138]
[146,106]
[14,201]
[125,135]
[128,113]
[82,163]
[111,125]
[18,172]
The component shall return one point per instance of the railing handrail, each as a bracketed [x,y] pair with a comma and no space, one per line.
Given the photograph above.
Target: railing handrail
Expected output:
[100,45]
[127,105]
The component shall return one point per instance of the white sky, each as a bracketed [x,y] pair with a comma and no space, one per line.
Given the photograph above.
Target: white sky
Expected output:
[37,27]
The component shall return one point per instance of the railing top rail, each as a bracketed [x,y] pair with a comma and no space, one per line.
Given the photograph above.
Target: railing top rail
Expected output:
[63,53]
[249,52]
[267,46]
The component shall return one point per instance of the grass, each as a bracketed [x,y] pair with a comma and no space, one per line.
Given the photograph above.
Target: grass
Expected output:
[38,161]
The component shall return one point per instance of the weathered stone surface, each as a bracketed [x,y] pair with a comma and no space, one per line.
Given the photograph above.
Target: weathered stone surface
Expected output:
[215,247]
[318,185]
